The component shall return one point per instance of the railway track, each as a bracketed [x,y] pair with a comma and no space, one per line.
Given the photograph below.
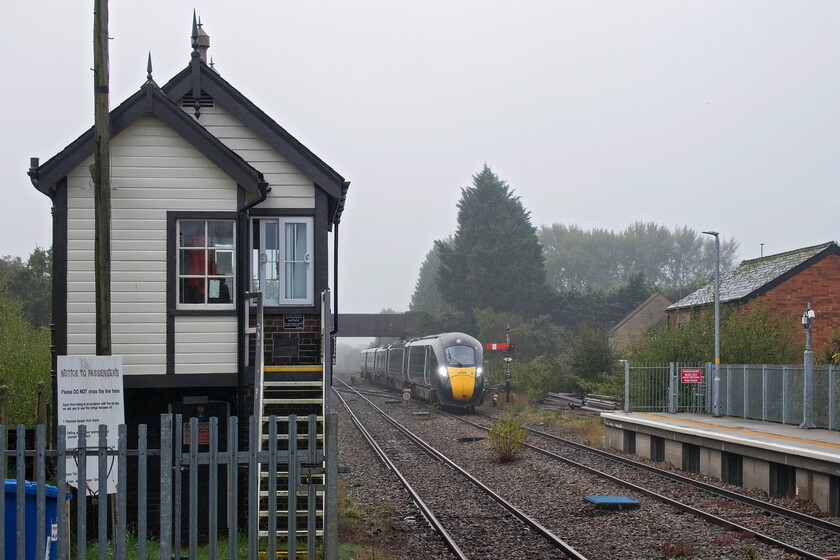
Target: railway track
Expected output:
[479,523]
[770,508]
[553,492]
[725,508]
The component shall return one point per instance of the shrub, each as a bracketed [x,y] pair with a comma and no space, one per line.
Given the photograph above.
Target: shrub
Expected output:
[507,439]
[24,360]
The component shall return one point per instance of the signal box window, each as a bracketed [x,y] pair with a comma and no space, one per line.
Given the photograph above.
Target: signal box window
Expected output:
[206,263]
[281,260]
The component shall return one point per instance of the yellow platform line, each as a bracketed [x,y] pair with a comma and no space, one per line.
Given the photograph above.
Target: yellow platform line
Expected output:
[293,368]
[744,431]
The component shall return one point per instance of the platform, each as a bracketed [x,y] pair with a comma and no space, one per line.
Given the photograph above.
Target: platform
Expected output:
[782,460]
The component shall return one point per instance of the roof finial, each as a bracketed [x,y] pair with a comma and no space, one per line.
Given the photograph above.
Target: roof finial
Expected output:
[194,36]
[149,68]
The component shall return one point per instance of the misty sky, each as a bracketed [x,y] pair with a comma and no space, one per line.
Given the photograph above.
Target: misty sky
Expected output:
[715,115]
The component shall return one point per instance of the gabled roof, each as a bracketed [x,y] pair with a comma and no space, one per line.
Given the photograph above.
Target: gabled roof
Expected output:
[199,76]
[657,297]
[757,276]
[149,99]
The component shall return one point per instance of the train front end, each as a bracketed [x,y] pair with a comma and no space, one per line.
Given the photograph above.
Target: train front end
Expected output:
[461,371]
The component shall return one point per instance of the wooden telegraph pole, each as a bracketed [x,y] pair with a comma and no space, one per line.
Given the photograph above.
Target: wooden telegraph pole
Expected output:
[101,174]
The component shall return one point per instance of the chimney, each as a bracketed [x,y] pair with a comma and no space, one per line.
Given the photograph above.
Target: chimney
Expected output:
[203,42]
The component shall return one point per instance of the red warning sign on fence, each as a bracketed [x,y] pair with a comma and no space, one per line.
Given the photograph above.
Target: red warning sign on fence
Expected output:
[500,346]
[693,375]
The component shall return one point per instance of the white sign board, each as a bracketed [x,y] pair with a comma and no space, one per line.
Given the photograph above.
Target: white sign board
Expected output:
[90,393]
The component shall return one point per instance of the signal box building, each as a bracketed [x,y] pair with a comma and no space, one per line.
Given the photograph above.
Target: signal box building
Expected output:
[211,199]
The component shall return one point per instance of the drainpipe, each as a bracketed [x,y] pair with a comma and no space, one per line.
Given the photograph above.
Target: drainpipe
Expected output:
[33,177]
[244,313]
[335,282]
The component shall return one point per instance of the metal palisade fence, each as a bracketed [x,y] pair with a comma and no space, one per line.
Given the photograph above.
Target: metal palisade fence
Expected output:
[772,393]
[657,388]
[775,393]
[196,475]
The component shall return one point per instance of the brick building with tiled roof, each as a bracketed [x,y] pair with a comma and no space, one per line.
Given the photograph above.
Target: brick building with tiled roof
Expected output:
[648,315]
[784,283]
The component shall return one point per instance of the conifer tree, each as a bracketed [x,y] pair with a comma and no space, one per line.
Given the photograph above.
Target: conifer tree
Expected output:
[494,259]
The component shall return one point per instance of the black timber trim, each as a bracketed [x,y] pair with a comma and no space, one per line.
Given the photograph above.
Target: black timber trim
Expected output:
[321,247]
[182,380]
[280,212]
[58,340]
[264,126]
[151,100]
[243,231]
[172,310]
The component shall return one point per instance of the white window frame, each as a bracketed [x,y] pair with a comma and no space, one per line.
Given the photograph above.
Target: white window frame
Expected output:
[306,260]
[205,276]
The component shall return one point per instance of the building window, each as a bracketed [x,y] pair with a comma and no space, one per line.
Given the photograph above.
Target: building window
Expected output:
[206,264]
[281,260]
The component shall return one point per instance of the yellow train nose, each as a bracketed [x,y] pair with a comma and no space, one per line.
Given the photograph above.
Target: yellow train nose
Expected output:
[463,383]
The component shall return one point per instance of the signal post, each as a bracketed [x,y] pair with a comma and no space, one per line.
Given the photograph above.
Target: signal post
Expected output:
[508,347]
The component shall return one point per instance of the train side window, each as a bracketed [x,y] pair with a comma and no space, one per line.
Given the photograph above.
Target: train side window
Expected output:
[416,360]
[431,362]
[395,359]
[379,364]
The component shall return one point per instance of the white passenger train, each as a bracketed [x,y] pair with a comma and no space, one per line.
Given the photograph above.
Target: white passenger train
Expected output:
[444,368]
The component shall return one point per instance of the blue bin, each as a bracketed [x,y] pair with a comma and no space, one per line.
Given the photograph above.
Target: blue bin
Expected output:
[31,521]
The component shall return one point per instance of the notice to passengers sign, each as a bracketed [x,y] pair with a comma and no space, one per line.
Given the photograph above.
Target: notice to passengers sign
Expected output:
[691,375]
[90,393]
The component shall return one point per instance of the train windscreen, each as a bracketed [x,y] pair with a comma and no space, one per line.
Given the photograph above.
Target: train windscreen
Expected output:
[460,356]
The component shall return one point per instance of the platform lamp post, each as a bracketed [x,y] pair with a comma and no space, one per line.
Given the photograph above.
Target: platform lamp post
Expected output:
[716,382]
[808,392]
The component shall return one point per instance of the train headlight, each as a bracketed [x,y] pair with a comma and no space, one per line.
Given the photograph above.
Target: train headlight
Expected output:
[479,370]
[443,372]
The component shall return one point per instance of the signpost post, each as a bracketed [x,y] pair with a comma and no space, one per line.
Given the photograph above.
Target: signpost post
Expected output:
[508,359]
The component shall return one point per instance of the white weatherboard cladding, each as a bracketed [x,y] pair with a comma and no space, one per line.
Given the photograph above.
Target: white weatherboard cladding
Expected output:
[205,344]
[290,188]
[153,170]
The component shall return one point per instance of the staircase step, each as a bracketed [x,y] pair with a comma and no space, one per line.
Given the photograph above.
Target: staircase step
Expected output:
[283,384]
[286,390]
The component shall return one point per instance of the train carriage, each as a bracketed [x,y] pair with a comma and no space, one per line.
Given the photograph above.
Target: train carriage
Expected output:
[444,368]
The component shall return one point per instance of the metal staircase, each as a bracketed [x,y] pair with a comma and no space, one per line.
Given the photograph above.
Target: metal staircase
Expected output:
[296,391]
[297,397]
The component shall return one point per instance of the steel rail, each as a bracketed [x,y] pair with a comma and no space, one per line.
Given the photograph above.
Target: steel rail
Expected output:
[556,541]
[679,505]
[424,508]
[753,502]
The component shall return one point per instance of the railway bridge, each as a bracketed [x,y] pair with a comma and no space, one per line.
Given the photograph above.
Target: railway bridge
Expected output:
[402,325]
